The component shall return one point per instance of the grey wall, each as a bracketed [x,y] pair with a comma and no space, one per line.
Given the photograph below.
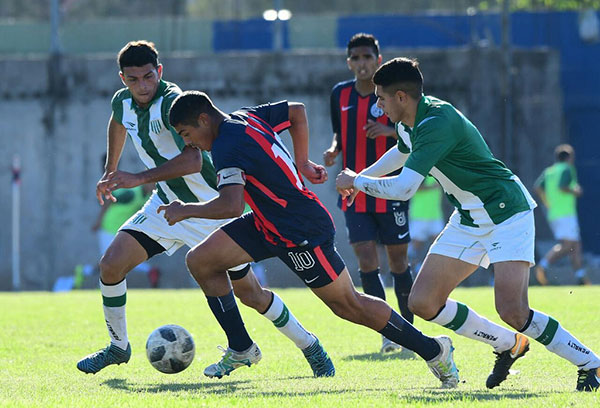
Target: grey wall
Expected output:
[60,135]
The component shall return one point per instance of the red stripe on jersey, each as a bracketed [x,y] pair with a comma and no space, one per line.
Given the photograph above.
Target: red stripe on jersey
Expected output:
[266,190]
[325,263]
[282,126]
[265,225]
[344,100]
[362,110]
[380,149]
[259,123]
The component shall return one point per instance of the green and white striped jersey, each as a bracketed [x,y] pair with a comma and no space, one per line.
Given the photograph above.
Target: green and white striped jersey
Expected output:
[156,142]
[445,144]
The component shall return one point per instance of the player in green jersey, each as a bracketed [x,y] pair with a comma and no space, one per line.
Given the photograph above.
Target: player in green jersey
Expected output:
[558,189]
[492,224]
[140,111]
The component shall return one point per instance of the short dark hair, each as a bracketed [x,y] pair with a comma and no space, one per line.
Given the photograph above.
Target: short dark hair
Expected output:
[363,40]
[138,54]
[188,106]
[403,74]
[563,152]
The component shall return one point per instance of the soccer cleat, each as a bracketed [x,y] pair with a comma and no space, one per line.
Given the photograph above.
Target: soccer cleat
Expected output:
[540,275]
[233,359]
[112,354]
[319,361]
[443,366]
[506,359]
[388,346]
[588,380]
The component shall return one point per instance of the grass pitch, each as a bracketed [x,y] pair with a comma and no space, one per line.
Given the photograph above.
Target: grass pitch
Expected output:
[43,335]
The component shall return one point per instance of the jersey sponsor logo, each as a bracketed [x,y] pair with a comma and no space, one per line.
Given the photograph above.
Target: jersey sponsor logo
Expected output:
[156,126]
[400,218]
[345,108]
[376,111]
[302,260]
[131,126]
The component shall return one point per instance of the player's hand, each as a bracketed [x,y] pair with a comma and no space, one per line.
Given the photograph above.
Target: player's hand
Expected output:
[103,191]
[577,190]
[175,211]
[344,184]
[122,179]
[329,156]
[375,129]
[315,173]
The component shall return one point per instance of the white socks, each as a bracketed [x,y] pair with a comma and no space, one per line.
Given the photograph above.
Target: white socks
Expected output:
[287,324]
[114,298]
[464,321]
[550,333]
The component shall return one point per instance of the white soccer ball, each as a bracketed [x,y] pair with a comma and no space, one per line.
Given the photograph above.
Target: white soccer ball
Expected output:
[170,349]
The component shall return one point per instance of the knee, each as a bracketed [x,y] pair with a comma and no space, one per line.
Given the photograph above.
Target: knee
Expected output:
[193,261]
[110,270]
[399,265]
[422,306]
[514,316]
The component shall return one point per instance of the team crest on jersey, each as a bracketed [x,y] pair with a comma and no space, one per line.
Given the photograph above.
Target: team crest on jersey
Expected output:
[400,218]
[156,126]
[376,111]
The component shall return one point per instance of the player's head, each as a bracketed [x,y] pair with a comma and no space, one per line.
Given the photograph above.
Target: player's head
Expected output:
[363,56]
[194,116]
[398,85]
[140,70]
[564,153]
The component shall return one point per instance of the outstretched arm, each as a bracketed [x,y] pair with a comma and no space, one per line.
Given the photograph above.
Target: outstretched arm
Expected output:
[115,140]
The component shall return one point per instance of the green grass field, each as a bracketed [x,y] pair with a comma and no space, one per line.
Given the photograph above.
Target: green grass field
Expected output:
[43,335]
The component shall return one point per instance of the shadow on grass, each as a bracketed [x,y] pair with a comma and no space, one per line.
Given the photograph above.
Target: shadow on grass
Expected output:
[436,396]
[403,355]
[222,387]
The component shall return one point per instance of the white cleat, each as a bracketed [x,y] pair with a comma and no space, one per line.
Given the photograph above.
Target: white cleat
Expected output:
[233,359]
[388,346]
[443,366]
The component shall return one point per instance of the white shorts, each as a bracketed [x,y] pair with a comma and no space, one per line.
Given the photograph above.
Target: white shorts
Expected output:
[565,228]
[512,240]
[189,232]
[423,230]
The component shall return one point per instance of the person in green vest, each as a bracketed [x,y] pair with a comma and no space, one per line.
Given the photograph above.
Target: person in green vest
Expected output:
[558,190]
[426,219]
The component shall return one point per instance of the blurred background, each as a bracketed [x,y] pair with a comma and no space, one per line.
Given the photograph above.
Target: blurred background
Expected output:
[526,72]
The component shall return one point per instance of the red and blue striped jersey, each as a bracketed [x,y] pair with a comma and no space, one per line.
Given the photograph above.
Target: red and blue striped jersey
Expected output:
[349,114]
[286,212]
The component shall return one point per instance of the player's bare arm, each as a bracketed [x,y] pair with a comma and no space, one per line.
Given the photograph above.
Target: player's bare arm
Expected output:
[315,173]
[229,204]
[187,162]
[376,129]
[116,136]
[330,154]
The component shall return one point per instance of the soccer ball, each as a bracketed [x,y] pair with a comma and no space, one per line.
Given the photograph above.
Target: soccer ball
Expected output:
[170,349]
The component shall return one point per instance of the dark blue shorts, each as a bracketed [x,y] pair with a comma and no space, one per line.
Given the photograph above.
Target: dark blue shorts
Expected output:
[316,266]
[386,228]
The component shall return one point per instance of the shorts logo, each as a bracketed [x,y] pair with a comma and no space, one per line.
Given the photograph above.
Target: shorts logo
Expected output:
[376,111]
[400,218]
[302,260]
[495,246]
[139,219]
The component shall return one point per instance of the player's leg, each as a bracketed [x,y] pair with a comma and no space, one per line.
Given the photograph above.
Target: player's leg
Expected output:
[248,289]
[323,270]
[123,254]
[512,305]
[343,299]
[576,257]
[401,272]
[566,231]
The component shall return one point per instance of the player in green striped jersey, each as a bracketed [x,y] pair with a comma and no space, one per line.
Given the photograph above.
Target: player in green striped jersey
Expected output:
[492,223]
[140,111]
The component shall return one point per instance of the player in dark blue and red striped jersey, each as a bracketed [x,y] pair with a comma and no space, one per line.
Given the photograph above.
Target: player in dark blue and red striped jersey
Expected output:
[362,133]
[287,221]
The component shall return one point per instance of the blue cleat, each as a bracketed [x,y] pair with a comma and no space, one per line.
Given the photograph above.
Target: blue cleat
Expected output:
[319,360]
[112,354]
[443,366]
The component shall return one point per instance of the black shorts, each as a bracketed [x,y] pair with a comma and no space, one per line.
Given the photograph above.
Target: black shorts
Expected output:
[316,266]
[386,228]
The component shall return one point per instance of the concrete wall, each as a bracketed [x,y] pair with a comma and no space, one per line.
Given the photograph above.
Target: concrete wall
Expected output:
[60,140]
